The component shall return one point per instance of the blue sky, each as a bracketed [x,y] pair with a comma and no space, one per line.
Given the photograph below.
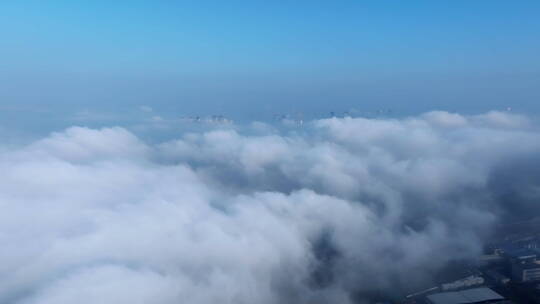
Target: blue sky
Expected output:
[253,59]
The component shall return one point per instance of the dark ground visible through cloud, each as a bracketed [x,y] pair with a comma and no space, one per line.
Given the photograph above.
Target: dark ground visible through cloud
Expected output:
[340,210]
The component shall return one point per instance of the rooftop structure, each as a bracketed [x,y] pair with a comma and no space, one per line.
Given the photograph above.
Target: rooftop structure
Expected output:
[526,272]
[463,283]
[475,295]
[520,254]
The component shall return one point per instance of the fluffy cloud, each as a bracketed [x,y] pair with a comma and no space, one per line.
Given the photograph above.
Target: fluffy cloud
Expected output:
[323,214]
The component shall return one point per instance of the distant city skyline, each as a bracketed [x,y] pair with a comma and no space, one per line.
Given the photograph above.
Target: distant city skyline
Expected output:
[253,60]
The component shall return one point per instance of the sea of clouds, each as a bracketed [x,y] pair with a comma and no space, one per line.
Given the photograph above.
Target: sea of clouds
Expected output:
[323,213]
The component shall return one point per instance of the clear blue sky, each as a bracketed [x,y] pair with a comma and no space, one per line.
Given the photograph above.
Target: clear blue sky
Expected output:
[257,58]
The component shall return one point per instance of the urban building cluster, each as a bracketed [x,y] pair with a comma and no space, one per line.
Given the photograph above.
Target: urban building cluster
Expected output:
[508,272]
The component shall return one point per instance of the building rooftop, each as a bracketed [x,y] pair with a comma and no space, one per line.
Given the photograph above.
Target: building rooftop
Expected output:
[474,295]
[520,253]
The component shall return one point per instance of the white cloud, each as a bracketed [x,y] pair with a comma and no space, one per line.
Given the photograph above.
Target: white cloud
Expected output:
[445,119]
[502,120]
[99,216]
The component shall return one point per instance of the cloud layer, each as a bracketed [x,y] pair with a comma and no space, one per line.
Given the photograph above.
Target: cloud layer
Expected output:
[325,213]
